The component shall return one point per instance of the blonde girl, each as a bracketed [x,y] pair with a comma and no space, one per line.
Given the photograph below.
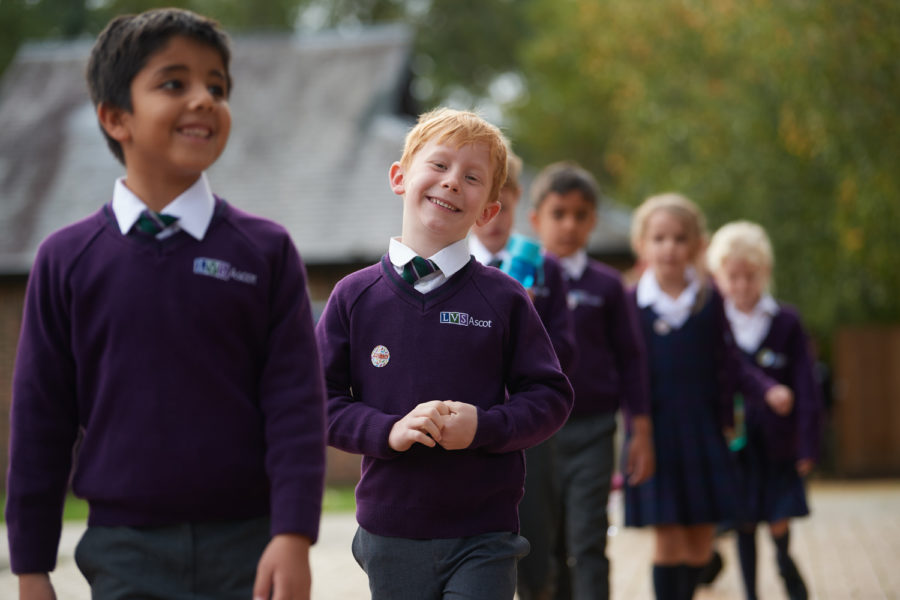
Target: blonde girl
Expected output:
[695,368]
[782,439]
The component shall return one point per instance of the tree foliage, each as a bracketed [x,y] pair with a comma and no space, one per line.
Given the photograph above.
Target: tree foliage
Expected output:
[779,112]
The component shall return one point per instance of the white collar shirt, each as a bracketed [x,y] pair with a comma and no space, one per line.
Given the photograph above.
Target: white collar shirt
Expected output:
[673,311]
[750,329]
[574,265]
[482,254]
[194,209]
[448,260]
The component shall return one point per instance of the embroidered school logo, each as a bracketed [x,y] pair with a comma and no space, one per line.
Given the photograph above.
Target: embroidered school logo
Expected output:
[463,319]
[767,358]
[576,298]
[220,269]
[380,356]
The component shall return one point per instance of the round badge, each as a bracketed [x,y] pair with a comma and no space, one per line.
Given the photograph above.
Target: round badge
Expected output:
[765,358]
[661,327]
[380,356]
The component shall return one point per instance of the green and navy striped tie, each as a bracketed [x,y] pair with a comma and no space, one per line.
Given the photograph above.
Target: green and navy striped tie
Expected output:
[417,268]
[152,223]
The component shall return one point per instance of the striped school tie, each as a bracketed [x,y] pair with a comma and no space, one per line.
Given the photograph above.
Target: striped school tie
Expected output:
[152,223]
[417,268]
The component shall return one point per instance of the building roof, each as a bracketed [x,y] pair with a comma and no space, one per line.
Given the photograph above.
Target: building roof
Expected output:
[316,125]
[317,121]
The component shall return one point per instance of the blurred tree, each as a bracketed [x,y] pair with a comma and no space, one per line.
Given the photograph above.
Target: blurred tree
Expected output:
[778,112]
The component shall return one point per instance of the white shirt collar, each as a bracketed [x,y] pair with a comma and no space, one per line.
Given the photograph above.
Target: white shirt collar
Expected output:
[482,254]
[575,264]
[449,259]
[674,311]
[194,207]
[750,329]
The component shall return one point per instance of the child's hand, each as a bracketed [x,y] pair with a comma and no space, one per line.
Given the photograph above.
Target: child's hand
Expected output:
[780,399]
[36,586]
[805,466]
[422,424]
[459,426]
[283,571]
[641,459]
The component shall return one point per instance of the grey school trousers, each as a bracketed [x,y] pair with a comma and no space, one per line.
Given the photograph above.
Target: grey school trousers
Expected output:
[190,561]
[480,567]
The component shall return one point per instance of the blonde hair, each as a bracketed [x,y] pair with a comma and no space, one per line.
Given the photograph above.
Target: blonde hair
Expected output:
[740,240]
[681,208]
[513,171]
[459,128]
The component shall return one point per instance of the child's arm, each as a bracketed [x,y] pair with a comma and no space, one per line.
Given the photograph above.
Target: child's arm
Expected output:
[283,570]
[43,421]
[292,401]
[640,458]
[738,375]
[353,426]
[36,586]
[540,396]
[808,399]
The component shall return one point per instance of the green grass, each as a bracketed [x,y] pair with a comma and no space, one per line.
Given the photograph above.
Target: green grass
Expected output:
[338,499]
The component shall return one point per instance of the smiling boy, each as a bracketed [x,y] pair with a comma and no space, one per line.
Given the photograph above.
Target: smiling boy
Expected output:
[440,374]
[168,337]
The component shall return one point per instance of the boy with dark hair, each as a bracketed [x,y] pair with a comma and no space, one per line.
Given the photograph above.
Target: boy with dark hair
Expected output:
[610,372]
[440,373]
[169,338]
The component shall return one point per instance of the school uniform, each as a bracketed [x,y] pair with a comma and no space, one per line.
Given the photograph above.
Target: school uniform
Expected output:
[466,332]
[773,340]
[184,365]
[609,374]
[540,506]
[695,368]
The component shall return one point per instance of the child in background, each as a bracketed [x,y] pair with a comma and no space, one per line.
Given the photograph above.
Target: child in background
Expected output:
[782,441]
[695,369]
[440,373]
[169,338]
[539,508]
[609,373]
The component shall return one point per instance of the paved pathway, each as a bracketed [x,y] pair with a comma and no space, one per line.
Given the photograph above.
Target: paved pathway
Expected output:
[848,549]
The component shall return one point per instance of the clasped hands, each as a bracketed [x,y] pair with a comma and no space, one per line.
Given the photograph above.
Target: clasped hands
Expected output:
[446,422]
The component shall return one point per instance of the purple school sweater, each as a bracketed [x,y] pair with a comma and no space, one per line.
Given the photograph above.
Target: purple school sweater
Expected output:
[188,372]
[551,306]
[784,356]
[611,364]
[387,348]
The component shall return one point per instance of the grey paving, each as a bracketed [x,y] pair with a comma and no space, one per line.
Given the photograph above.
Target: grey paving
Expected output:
[848,549]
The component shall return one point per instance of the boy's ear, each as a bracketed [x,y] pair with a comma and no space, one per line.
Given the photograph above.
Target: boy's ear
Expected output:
[533,219]
[396,176]
[489,211]
[112,121]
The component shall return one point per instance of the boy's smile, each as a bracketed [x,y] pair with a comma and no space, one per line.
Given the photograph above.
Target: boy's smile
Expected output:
[445,191]
[179,120]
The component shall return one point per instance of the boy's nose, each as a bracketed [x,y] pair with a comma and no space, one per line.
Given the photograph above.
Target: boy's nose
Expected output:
[202,99]
[451,182]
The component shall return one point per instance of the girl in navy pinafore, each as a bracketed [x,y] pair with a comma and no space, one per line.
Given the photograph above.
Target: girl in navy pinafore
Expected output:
[782,441]
[695,368]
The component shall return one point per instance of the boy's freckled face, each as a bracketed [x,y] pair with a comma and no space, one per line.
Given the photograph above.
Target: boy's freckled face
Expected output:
[564,222]
[180,118]
[445,192]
